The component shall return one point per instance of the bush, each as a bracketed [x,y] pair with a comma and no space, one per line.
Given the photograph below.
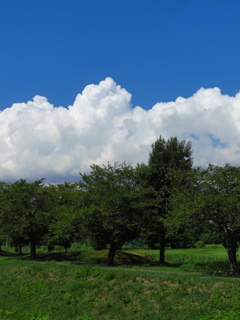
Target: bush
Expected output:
[199,244]
[76,246]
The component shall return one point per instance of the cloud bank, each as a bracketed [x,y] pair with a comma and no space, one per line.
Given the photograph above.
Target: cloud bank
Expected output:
[39,140]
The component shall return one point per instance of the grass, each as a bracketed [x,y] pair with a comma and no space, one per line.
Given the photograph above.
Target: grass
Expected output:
[83,288]
[211,251]
[211,259]
[49,291]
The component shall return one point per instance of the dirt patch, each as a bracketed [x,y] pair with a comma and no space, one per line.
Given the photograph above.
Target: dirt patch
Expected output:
[130,258]
[134,253]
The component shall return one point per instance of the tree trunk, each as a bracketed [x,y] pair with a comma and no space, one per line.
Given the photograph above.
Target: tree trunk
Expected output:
[111,253]
[32,248]
[162,252]
[20,249]
[232,257]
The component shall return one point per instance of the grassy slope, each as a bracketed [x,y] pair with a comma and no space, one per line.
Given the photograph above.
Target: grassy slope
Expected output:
[47,291]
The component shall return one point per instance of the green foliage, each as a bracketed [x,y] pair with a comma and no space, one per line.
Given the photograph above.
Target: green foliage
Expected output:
[25,215]
[218,200]
[65,225]
[210,201]
[112,211]
[35,213]
[166,156]
[165,159]
[76,246]
[62,230]
[164,203]
[199,244]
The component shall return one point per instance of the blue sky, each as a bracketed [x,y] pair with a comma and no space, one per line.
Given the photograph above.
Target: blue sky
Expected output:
[178,60]
[157,50]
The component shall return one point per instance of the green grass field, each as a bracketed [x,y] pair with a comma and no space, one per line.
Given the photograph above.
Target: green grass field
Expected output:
[48,291]
[211,259]
[79,286]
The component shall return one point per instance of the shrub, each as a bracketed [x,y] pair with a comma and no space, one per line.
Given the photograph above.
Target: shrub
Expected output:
[199,244]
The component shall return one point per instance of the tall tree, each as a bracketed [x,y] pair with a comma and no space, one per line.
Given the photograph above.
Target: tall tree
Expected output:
[112,206]
[165,157]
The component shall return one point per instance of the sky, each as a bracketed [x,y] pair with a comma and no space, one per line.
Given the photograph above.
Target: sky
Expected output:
[93,81]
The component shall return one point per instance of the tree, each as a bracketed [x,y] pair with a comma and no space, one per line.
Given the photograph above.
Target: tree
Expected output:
[210,201]
[184,221]
[219,201]
[65,224]
[112,206]
[166,156]
[3,206]
[26,215]
[62,229]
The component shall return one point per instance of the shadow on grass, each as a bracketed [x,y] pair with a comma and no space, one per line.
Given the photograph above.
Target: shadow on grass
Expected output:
[213,267]
[72,256]
[97,257]
[132,258]
[122,258]
[56,256]
[8,254]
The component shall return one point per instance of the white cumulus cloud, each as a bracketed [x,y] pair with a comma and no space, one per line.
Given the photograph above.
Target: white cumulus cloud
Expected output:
[39,140]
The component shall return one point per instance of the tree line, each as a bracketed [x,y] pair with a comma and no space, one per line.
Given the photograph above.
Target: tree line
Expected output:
[166,201]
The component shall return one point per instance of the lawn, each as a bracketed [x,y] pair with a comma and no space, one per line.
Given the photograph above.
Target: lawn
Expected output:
[211,259]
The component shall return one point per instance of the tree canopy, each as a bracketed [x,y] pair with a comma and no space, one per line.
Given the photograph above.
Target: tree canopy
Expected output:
[219,200]
[165,157]
[165,201]
[112,205]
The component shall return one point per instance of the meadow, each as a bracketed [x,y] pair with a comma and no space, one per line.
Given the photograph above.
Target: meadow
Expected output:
[79,286]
